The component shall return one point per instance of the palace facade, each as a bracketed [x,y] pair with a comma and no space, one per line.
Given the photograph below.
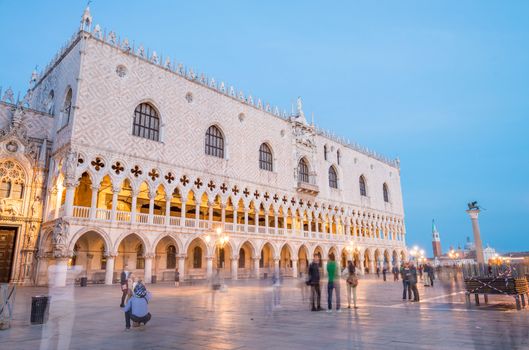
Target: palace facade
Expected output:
[117,156]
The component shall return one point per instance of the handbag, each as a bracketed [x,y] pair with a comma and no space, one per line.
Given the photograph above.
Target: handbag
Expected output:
[352,280]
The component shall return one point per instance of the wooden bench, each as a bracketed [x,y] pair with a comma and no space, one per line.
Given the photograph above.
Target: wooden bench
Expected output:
[516,287]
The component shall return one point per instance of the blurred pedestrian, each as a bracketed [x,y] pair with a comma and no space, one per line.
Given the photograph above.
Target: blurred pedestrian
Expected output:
[124,283]
[395,271]
[384,271]
[431,275]
[333,283]
[378,271]
[314,282]
[413,282]
[351,281]
[177,278]
[405,274]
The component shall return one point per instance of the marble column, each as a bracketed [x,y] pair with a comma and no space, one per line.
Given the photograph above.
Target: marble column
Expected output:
[183,217]
[168,199]
[324,266]
[93,203]
[256,267]
[209,267]
[109,271]
[58,272]
[152,195]
[276,266]
[147,277]
[68,201]
[474,213]
[246,220]
[256,220]
[133,205]
[181,267]
[234,268]
[295,268]
[361,265]
[276,222]
[115,193]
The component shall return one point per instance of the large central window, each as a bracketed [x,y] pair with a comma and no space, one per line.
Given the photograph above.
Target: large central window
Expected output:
[265,157]
[303,171]
[214,142]
[146,122]
[333,178]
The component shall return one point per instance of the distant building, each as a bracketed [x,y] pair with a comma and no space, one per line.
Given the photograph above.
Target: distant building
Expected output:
[436,241]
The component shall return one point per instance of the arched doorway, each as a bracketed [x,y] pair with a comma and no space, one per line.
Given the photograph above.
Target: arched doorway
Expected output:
[285,260]
[303,259]
[266,261]
[246,252]
[131,254]
[196,259]
[166,259]
[89,253]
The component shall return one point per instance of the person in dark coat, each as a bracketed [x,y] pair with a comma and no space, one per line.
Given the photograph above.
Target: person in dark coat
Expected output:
[405,275]
[413,282]
[124,282]
[395,271]
[314,283]
[431,274]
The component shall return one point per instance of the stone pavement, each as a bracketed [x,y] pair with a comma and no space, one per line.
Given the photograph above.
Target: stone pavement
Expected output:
[244,317]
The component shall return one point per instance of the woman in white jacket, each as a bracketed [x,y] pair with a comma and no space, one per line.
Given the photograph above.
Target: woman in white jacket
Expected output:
[349,273]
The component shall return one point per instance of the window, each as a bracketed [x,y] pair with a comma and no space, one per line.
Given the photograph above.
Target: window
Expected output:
[17,191]
[362,183]
[140,260]
[197,258]
[303,171]
[214,142]
[265,157]
[67,109]
[5,189]
[146,122]
[325,152]
[338,156]
[385,192]
[333,178]
[171,257]
[242,258]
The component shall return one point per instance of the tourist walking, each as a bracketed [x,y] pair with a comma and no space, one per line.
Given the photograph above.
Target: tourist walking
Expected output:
[137,308]
[333,283]
[426,280]
[177,278]
[314,282]
[124,283]
[431,275]
[413,282]
[395,271]
[405,275]
[384,271]
[378,271]
[351,281]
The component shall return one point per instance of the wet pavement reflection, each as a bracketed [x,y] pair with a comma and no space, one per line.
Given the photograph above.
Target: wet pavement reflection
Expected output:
[269,314]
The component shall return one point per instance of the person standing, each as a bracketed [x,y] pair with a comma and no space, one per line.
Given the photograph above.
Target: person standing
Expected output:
[431,275]
[395,271]
[314,283]
[124,283]
[177,278]
[413,282]
[405,275]
[378,271]
[384,271]
[333,283]
[351,283]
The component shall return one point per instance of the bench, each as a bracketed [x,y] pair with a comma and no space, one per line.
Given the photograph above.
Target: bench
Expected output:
[516,287]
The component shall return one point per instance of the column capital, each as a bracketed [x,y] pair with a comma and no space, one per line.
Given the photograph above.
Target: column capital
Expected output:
[168,197]
[149,256]
[111,255]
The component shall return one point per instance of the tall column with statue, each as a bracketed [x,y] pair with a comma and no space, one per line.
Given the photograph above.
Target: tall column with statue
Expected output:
[473,211]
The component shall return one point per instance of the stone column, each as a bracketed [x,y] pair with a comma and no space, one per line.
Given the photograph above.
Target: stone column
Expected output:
[246,220]
[210,214]
[109,272]
[477,235]
[235,208]
[256,267]
[361,265]
[197,214]
[371,265]
[181,266]
[59,271]
[133,205]
[152,195]
[115,192]
[168,199]
[68,202]
[256,220]
[285,221]
[209,267]
[310,226]
[295,268]
[266,220]
[223,214]
[324,266]
[234,268]
[93,203]
[276,222]
[183,216]
[58,198]
[147,271]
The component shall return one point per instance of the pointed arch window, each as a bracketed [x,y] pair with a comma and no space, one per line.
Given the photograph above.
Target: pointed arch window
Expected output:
[303,171]
[214,142]
[197,258]
[67,109]
[362,184]
[171,257]
[333,178]
[385,192]
[146,122]
[265,157]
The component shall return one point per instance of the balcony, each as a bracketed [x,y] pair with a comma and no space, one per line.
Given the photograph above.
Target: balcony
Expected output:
[141,219]
[307,188]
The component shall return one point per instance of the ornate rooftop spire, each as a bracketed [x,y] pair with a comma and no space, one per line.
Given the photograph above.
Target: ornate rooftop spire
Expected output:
[86,20]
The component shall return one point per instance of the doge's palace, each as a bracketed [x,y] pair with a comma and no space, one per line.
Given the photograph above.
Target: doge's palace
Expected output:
[117,156]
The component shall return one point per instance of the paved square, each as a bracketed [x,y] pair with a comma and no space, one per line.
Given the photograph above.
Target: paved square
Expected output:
[244,317]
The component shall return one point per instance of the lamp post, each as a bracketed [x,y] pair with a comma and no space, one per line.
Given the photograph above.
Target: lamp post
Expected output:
[220,241]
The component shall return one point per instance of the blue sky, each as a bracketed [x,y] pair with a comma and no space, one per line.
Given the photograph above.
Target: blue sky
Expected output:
[444,85]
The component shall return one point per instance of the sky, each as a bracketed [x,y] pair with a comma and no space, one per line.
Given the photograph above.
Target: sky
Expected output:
[443,85]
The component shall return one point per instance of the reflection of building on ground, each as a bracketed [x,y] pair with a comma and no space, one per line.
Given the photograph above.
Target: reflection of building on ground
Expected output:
[118,156]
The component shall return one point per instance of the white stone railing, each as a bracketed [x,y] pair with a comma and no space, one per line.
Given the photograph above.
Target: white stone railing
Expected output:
[160,220]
